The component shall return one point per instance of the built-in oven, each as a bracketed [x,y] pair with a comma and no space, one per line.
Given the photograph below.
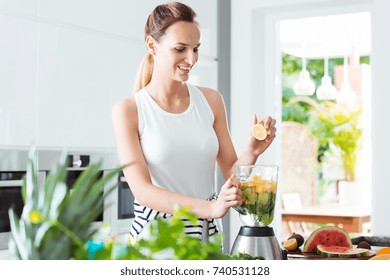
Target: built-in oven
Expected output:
[10,197]
[118,211]
[118,204]
[125,199]
[13,165]
[122,206]
[76,164]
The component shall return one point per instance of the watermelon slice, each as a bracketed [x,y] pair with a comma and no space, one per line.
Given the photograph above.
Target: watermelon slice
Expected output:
[341,252]
[328,236]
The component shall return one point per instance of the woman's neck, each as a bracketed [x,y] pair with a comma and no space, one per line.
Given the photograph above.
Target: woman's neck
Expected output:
[172,96]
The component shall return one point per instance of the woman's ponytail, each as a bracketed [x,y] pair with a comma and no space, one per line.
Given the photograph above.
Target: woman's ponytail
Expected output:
[144,73]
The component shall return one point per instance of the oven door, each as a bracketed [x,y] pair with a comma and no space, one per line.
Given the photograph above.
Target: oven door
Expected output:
[125,199]
[119,206]
[71,178]
[10,197]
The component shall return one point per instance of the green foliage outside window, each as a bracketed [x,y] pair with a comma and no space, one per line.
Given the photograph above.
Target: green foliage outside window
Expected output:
[300,111]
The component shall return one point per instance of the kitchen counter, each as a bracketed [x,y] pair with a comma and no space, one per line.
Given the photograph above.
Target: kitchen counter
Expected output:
[4,255]
[314,256]
[353,219]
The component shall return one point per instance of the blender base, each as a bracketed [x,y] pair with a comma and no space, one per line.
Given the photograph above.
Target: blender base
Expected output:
[258,241]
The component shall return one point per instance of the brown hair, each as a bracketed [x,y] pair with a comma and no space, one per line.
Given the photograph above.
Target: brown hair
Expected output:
[161,18]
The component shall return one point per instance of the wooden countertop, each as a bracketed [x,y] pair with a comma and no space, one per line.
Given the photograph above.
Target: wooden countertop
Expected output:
[351,218]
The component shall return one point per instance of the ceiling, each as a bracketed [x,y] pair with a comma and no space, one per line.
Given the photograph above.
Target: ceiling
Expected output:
[332,36]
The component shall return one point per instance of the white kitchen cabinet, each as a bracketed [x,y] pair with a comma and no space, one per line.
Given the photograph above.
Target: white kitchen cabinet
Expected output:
[19,7]
[81,76]
[18,65]
[127,56]
[74,85]
[89,14]
[65,63]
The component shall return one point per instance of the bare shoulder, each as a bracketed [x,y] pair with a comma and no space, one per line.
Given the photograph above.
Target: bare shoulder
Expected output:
[125,109]
[126,105]
[213,97]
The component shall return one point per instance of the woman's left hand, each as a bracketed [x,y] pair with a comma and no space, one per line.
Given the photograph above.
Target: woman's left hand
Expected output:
[257,147]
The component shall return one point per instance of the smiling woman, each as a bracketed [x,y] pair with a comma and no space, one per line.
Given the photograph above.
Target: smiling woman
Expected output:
[174,55]
[162,18]
[174,132]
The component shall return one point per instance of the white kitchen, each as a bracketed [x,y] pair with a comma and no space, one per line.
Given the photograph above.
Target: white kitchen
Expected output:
[64,64]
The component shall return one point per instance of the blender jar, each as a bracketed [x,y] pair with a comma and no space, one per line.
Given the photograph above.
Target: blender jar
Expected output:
[258,185]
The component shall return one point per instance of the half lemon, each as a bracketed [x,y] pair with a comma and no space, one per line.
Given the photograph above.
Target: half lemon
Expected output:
[259,131]
[290,244]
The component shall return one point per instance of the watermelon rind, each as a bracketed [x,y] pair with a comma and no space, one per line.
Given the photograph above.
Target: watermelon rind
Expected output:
[341,252]
[328,236]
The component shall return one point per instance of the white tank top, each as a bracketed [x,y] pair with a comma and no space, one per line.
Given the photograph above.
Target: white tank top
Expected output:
[180,151]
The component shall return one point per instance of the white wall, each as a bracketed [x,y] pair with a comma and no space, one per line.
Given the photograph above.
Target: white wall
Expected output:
[254,87]
[18,50]
[64,63]
[381,128]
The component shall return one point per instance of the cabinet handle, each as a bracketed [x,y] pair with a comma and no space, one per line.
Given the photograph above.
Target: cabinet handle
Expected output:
[11,183]
[77,163]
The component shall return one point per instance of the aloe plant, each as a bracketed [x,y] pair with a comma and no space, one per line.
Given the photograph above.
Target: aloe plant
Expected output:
[56,222]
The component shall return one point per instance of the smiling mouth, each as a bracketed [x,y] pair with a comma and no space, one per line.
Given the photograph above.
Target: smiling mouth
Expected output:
[185,68]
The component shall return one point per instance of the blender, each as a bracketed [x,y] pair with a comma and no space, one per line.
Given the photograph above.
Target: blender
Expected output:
[256,237]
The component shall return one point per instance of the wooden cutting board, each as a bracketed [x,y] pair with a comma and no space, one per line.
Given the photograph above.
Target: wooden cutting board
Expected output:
[299,255]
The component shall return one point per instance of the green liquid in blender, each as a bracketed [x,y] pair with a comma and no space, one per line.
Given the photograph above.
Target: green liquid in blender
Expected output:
[259,201]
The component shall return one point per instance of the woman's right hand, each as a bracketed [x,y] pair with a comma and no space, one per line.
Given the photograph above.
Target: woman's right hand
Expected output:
[229,196]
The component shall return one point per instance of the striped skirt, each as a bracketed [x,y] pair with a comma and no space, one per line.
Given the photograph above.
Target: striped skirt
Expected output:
[144,215]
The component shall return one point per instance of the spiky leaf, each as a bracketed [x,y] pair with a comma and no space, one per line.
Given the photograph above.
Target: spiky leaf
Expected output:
[57,222]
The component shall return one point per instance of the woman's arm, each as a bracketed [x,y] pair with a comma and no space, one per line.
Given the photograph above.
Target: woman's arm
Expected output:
[125,123]
[227,156]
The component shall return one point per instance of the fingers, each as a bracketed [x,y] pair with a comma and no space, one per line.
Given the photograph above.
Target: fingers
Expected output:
[254,119]
[233,203]
[229,196]
[233,182]
[231,193]
[271,132]
[230,200]
[270,138]
[268,122]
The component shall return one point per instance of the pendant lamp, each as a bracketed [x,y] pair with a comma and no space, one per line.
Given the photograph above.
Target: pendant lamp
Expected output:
[326,91]
[346,95]
[304,85]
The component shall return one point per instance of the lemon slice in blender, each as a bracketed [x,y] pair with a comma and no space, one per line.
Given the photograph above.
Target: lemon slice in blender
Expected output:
[259,131]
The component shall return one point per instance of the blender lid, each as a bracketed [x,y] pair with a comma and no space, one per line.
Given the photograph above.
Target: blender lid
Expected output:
[256,231]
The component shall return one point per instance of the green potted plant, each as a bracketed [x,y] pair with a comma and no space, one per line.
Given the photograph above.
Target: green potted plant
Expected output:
[337,127]
[56,223]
